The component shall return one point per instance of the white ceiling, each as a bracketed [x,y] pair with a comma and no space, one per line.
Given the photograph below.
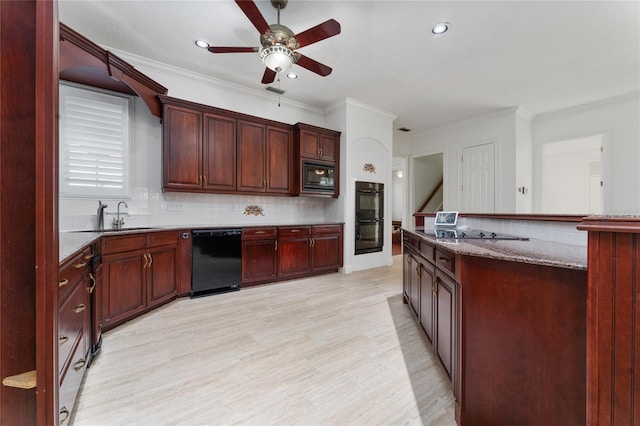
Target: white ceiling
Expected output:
[540,55]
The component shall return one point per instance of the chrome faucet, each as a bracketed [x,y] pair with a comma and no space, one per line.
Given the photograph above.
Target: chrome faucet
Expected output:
[118,222]
[100,216]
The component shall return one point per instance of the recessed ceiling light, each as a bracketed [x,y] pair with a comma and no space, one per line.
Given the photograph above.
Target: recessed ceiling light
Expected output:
[292,75]
[440,28]
[201,44]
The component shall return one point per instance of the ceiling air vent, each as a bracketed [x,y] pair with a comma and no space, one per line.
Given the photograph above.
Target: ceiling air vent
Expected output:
[275,90]
[404,129]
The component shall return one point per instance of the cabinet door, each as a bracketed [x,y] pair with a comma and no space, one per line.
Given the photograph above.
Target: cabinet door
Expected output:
[407,264]
[182,146]
[445,321]
[414,295]
[123,291]
[162,274]
[251,157]
[293,256]
[327,148]
[326,252]
[280,173]
[309,144]
[219,153]
[427,273]
[259,260]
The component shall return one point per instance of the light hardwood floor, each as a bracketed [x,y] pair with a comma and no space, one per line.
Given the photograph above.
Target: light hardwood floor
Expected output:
[331,350]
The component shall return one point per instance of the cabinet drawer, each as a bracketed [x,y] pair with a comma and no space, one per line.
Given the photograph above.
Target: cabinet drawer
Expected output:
[70,384]
[284,231]
[155,239]
[73,271]
[259,233]
[71,318]
[445,261]
[427,250]
[325,229]
[123,243]
[411,241]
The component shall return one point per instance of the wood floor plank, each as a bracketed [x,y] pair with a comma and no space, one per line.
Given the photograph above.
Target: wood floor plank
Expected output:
[329,350]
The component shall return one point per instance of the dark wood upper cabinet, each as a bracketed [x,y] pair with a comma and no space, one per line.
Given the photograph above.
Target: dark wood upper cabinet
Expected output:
[213,150]
[219,153]
[182,147]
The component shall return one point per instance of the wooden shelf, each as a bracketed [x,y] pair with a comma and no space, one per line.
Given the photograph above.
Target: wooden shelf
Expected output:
[23,381]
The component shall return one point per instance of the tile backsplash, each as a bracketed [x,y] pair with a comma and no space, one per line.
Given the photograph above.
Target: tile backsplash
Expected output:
[150,206]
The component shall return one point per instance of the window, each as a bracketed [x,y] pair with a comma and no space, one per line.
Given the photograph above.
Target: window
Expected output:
[94,143]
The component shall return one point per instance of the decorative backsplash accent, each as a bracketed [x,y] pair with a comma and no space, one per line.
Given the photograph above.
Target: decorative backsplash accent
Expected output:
[369,168]
[254,209]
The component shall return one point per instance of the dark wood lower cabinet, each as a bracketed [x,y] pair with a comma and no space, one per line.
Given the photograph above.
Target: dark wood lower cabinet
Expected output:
[286,252]
[510,336]
[140,271]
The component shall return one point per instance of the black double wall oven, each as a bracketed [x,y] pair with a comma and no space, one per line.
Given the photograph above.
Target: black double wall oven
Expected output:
[369,217]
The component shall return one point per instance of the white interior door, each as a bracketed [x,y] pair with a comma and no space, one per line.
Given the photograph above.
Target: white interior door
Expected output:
[478,179]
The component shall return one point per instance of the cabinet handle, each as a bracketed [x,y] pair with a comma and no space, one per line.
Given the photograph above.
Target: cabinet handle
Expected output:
[320,152]
[295,230]
[150,260]
[80,265]
[260,232]
[418,270]
[434,286]
[205,180]
[314,242]
[62,340]
[93,282]
[146,262]
[64,411]
[87,256]
[443,260]
[409,258]
[78,365]
[310,242]
[63,282]
[276,241]
[79,308]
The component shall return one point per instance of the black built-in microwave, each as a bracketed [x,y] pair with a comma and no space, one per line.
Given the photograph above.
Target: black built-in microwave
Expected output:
[318,176]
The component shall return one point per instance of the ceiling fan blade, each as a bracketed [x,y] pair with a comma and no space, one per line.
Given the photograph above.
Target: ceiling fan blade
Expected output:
[269,76]
[218,49]
[251,10]
[313,66]
[319,32]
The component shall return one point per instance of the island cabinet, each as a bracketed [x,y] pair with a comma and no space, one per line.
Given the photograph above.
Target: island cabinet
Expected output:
[74,329]
[259,254]
[140,271]
[264,159]
[509,334]
[429,290]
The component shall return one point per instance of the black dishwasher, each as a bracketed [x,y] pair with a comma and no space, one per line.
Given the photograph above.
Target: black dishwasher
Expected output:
[216,263]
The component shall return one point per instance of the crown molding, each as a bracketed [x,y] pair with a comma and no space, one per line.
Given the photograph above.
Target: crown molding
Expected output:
[635,95]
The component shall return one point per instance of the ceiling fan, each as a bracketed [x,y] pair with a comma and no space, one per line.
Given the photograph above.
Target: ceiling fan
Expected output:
[279,43]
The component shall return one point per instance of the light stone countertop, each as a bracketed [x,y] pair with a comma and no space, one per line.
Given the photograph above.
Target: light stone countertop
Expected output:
[70,242]
[538,252]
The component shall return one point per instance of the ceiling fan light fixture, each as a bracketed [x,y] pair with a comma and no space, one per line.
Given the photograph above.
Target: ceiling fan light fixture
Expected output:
[278,57]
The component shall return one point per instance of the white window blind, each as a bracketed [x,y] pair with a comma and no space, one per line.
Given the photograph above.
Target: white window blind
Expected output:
[94,143]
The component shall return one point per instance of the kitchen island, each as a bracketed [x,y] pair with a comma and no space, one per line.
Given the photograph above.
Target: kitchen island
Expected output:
[507,323]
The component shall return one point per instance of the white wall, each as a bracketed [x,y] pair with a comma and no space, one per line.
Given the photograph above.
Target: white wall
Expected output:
[618,119]
[524,162]
[498,128]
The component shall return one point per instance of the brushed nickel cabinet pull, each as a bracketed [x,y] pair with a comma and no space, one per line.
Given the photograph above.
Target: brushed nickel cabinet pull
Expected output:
[93,282]
[295,230]
[62,340]
[78,365]
[63,282]
[64,412]
[260,232]
[80,265]
[79,308]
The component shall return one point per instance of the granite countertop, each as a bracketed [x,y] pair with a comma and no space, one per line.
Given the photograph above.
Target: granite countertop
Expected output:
[71,242]
[538,252]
